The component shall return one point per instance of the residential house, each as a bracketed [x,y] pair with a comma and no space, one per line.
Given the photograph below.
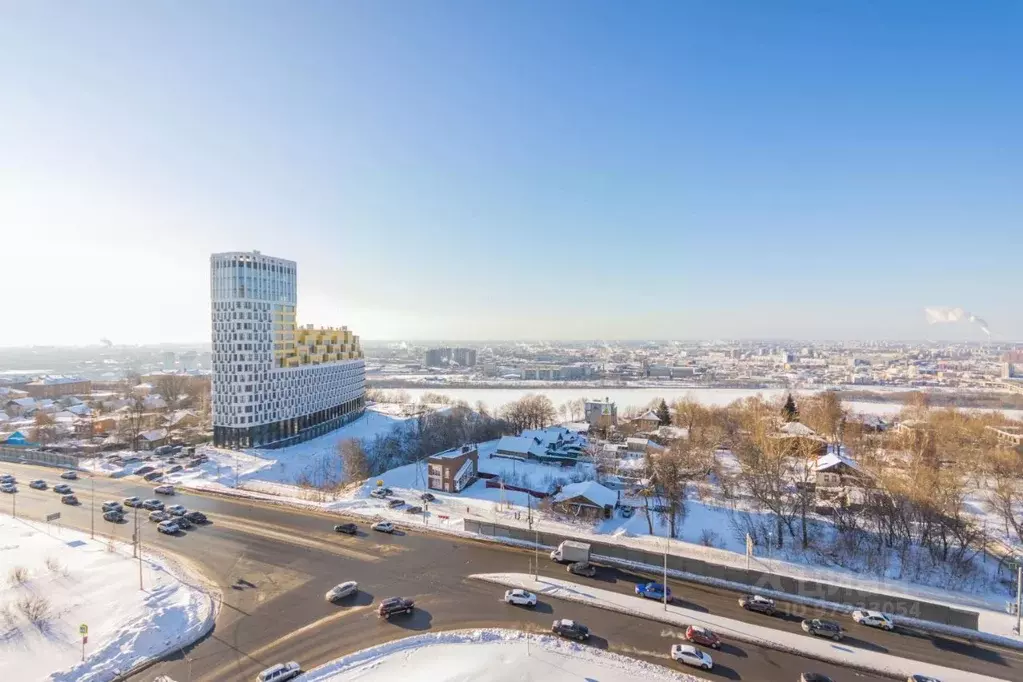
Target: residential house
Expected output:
[182,419]
[642,446]
[55,387]
[150,440]
[20,407]
[601,415]
[648,421]
[588,499]
[453,470]
[553,445]
[800,438]
[840,480]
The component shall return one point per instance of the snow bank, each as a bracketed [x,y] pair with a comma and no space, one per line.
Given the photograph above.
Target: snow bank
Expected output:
[489,655]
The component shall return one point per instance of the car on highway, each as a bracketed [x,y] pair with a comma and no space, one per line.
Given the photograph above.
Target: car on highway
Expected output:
[395,503]
[69,499]
[164,489]
[62,489]
[159,516]
[8,478]
[38,484]
[414,510]
[8,488]
[176,510]
[427,497]
[70,475]
[183,522]
[152,505]
[754,602]
[196,517]
[341,591]
[570,629]
[111,505]
[583,568]
[822,628]
[691,655]
[113,516]
[346,528]
[168,528]
[653,591]
[393,605]
[520,598]
[280,672]
[814,677]
[383,526]
[922,678]
[697,634]
[874,619]
[131,502]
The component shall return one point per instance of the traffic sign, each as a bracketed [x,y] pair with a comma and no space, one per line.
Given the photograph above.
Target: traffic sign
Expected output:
[52,517]
[83,629]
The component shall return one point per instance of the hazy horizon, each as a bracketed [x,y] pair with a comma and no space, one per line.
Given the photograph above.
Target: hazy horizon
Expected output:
[531,170]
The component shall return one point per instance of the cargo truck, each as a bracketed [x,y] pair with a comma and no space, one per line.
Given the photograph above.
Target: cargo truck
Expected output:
[570,552]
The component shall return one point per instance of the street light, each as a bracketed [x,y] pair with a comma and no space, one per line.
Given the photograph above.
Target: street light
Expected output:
[667,544]
[92,511]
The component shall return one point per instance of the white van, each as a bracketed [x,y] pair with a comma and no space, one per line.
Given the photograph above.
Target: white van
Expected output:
[280,672]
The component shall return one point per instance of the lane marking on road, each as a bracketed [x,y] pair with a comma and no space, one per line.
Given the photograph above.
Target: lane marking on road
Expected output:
[267,531]
[219,673]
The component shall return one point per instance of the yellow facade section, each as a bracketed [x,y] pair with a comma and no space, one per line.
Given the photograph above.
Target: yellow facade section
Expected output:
[296,346]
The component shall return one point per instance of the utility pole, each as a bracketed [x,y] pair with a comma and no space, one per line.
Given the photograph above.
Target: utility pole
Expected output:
[138,539]
[14,505]
[92,511]
[667,542]
[1019,596]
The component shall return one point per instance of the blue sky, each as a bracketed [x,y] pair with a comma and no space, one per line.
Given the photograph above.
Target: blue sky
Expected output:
[484,170]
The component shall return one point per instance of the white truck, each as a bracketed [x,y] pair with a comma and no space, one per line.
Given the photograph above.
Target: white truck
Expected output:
[570,552]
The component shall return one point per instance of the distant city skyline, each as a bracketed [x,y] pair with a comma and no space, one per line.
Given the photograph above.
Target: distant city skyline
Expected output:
[479,171]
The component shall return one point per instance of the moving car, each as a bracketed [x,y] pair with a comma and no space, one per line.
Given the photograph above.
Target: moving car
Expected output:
[183,523]
[70,475]
[113,516]
[343,590]
[38,484]
[132,502]
[196,517]
[69,499]
[822,628]
[176,510]
[874,619]
[8,488]
[383,526]
[8,478]
[62,489]
[570,629]
[280,672]
[690,655]
[697,634]
[168,528]
[111,505]
[164,489]
[582,568]
[922,678]
[395,503]
[814,677]
[653,591]
[158,516]
[389,607]
[520,598]
[427,497]
[152,505]
[754,602]
[346,528]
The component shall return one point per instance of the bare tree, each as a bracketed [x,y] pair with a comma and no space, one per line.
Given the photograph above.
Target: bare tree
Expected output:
[172,387]
[673,470]
[133,421]
[354,462]
[44,430]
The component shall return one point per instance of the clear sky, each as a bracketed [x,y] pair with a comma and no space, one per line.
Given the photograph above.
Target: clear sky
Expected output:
[473,170]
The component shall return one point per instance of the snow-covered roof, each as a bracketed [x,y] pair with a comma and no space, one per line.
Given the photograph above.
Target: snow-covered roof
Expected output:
[516,444]
[591,490]
[155,434]
[647,416]
[832,460]
[797,429]
[24,402]
[637,441]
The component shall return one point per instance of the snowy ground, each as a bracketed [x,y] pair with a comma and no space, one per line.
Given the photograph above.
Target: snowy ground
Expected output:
[78,581]
[489,656]
[728,628]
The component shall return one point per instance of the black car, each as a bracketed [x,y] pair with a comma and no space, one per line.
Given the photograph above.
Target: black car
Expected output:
[196,517]
[571,629]
[143,470]
[414,510]
[175,469]
[389,607]
[113,516]
[395,503]
[427,497]
[822,628]
[153,475]
[346,528]
[182,522]
[582,568]
[814,677]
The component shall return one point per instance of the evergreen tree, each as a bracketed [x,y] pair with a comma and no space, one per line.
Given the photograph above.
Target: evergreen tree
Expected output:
[663,414]
[789,411]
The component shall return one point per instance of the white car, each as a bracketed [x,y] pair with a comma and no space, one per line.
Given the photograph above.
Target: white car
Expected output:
[343,590]
[8,488]
[874,619]
[520,597]
[383,526]
[176,510]
[69,476]
[690,655]
[158,516]
[164,490]
[168,527]
[280,672]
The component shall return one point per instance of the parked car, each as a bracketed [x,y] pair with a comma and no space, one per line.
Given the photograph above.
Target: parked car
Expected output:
[159,516]
[395,503]
[174,469]
[343,590]
[113,516]
[874,619]
[196,517]
[168,528]
[520,598]
[164,489]
[152,505]
[143,470]
[570,629]
[62,489]
[153,475]
[653,591]
[176,510]
[690,655]
[378,493]
[111,505]
[414,510]
[69,499]
[8,478]
[697,634]
[822,628]
[582,568]
[183,523]
[38,484]
[280,672]
[132,502]
[814,677]
[427,497]
[754,602]
[383,526]
[628,511]
[346,528]
[393,605]
[70,475]
[8,488]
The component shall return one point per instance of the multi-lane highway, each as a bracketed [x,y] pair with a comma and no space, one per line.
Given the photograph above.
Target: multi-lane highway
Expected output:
[274,564]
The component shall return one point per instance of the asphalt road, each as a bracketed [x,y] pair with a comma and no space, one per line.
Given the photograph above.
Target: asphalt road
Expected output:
[274,564]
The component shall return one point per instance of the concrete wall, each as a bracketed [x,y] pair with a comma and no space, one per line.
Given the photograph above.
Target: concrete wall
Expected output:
[809,589]
[30,456]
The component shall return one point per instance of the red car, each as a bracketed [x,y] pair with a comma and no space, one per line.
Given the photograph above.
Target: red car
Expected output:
[702,636]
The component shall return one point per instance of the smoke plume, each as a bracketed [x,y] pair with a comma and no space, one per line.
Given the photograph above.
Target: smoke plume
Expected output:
[944,315]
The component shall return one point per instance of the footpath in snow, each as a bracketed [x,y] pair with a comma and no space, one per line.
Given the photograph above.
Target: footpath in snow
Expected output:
[56,580]
[728,628]
[490,655]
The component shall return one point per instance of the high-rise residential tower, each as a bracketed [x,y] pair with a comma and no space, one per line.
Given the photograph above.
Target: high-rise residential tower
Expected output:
[275,383]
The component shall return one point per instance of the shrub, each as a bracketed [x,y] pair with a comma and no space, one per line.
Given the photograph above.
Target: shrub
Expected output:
[37,610]
[17,576]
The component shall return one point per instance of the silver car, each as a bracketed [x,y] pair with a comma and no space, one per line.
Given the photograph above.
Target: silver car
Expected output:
[341,591]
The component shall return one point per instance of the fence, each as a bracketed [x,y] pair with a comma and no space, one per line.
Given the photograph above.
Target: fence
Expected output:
[807,589]
[31,456]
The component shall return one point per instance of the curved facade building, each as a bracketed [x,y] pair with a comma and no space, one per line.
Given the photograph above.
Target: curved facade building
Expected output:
[275,383]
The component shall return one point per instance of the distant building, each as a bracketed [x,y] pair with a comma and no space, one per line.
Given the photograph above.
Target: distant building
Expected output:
[168,358]
[437,357]
[466,357]
[588,499]
[55,387]
[600,415]
[453,470]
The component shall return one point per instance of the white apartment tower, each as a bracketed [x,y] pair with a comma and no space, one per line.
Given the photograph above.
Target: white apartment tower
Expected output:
[275,383]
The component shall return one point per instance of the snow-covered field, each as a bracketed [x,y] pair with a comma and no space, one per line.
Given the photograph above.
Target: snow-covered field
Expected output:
[489,656]
[55,580]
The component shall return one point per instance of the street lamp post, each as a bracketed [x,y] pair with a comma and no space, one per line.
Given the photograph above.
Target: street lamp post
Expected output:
[667,543]
[92,504]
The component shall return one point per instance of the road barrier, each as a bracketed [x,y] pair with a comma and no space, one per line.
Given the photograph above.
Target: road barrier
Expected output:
[33,456]
[805,589]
